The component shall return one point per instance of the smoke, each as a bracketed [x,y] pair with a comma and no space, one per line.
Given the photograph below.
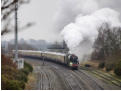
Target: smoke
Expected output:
[81,34]
[78,21]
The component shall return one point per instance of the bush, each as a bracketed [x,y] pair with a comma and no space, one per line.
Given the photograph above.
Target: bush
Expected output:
[8,84]
[25,71]
[9,72]
[101,65]
[11,77]
[22,76]
[28,67]
[13,85]
[87,65]
[22,84]
[7,61]
[109,67]
[3,82]
[117,69]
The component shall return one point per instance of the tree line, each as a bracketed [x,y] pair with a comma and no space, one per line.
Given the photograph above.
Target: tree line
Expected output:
[107,48]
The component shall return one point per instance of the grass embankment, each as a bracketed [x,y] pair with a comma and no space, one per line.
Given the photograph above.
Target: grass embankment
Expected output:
[113,68]
[94,68]
[30,85]
[11,77]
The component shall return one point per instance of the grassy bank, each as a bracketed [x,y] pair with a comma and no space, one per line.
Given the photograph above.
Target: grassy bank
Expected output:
[31,83]
[113,68]
[106,76]
[11,77]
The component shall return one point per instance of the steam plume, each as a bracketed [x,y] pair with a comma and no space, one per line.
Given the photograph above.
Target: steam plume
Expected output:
[78,21]
[81,34]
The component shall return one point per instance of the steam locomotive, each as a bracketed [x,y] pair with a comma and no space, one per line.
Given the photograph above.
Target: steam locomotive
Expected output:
[70,60]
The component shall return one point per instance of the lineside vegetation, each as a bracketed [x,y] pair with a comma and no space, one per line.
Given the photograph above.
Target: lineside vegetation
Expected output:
[11,77]
[107,48]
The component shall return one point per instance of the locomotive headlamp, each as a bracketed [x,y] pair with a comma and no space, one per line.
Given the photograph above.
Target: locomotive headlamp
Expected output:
[71,63]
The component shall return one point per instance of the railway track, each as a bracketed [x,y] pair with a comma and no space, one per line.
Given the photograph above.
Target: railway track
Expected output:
[43,79]
[79,82]
[51,76]
[83,84]
[104,76]
[62,80]
[48,79]
[90,80]
[69,80]
[109,78]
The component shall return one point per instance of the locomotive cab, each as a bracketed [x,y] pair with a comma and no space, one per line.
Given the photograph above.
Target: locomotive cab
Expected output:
[73,61]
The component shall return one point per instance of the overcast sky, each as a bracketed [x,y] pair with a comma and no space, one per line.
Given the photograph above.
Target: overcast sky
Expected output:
[41,12]
[44,12]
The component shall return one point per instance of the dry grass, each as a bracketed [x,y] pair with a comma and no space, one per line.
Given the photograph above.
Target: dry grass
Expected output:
[92,63]
[95,64]
[31,82]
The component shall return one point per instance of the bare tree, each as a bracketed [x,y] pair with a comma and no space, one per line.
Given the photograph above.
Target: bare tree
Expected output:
[108,42]
[7,9]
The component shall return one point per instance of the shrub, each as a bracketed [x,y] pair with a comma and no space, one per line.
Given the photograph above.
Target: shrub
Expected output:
[101,65]
[87,65]
[7,61]
[22,84]
[28,67]
[117,69]
[109,67]
[4,82]
[11,77]
[8,84]
[9,72]
[22,76]
[25,71]
[13,85]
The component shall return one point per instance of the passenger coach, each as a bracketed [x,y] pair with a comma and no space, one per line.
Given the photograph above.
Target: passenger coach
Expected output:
[70,60]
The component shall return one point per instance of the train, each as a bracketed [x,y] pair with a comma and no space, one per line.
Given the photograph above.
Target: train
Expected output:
[67,59]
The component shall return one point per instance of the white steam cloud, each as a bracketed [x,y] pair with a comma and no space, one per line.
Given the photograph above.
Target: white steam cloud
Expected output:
[81,34]
[78,21]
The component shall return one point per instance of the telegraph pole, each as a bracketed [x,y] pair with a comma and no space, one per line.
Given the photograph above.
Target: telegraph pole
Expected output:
[20,61]
[16,30]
